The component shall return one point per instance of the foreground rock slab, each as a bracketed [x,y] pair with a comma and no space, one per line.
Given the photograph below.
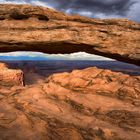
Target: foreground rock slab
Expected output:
[10,77]
[32,28]
[89,104]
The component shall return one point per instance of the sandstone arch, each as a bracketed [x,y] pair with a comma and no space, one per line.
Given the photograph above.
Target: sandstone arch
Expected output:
[46,30]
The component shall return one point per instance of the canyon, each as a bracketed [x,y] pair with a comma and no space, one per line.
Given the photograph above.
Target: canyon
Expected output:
[86,104]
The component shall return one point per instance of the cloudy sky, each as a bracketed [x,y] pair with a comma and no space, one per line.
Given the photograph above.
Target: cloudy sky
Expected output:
[92,8]
[43,56]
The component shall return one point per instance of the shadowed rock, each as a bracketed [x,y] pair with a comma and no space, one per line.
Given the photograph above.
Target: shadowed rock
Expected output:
[34,28]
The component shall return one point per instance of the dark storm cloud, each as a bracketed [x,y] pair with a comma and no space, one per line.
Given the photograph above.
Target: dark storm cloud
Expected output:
[95,8]
[105,6]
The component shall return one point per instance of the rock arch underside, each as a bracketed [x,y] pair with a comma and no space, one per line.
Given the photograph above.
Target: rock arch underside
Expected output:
[88,104]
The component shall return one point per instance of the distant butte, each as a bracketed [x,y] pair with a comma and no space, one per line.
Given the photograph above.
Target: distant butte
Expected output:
[34,28]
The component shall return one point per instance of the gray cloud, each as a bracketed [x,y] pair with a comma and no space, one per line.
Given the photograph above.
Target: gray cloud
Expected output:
[93,8]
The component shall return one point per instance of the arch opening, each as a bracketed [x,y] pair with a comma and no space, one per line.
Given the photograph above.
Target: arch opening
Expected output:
[38,66]
[61,47]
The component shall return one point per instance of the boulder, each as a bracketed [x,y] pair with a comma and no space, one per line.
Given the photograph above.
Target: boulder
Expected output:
[10,77]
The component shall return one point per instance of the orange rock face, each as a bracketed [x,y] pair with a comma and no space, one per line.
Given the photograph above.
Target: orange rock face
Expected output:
[10,77]
[89,104]
[30,28]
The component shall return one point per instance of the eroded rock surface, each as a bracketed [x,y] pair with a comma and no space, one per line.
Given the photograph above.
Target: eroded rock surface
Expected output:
[29,28]
[89,104]
[10,77]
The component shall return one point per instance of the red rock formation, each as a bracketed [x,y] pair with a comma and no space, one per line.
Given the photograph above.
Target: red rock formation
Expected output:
[10,77]
[89,104]
[29,28]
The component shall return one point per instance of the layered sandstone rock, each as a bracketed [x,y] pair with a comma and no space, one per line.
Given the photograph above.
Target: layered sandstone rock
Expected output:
[89,104]
[29,28]
[10,77]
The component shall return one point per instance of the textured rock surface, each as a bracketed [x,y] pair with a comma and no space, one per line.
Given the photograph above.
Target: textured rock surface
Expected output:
[89,104]
[24,27]
[10,77]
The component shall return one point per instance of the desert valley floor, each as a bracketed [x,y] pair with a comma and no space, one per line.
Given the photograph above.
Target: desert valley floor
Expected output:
[37,70]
